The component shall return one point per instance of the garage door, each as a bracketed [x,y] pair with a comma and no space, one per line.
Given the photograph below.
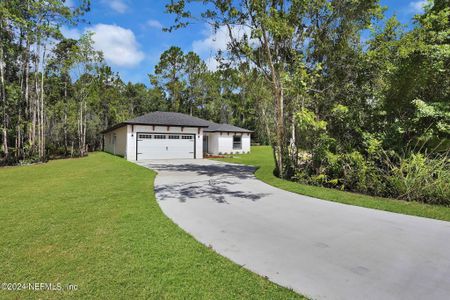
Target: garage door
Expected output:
[165,146]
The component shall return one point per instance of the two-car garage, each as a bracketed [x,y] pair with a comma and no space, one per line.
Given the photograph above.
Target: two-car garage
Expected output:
[171,135]
[164,146]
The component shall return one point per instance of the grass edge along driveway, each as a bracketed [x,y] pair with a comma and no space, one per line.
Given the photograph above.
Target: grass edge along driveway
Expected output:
[262,158]
[94,223]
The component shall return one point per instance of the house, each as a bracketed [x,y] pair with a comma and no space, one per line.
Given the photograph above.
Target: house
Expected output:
[169,135]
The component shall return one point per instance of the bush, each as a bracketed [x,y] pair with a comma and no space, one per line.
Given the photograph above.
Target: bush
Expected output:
[420,177]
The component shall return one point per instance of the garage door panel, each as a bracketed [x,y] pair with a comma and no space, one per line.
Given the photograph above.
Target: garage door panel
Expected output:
[165,146]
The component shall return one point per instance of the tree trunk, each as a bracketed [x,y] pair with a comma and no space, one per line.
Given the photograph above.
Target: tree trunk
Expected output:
[65,117]
[80,130]
[280,145]
[3,98]
[36,111]
[84,130]
[42,130]
[26,92]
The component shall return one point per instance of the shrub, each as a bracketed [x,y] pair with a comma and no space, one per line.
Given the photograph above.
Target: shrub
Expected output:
[420,177]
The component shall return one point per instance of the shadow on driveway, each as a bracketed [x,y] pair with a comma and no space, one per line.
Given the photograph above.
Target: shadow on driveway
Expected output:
[237,171]
[222,185]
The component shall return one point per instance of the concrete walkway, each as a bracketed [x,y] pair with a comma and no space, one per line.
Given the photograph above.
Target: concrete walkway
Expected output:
[321,249]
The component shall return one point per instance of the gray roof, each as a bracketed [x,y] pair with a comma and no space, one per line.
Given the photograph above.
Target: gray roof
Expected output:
[178,119]
[168,118]
[214,127]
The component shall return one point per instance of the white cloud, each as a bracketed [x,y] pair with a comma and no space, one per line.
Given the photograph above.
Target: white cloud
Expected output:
[71,33]
[212,63]
[118,44]
[416,7]
[154,24]
[218,40]
[213,41]
[70,3]
[117,5]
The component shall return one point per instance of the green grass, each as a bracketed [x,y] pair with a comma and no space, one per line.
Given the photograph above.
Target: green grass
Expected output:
[262,157]
[94,222]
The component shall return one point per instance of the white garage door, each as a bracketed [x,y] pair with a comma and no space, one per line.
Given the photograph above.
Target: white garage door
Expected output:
[165,146]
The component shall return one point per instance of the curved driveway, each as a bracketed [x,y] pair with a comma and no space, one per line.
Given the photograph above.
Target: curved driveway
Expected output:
[321,249]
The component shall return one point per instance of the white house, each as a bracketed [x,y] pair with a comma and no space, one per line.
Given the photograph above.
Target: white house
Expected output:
[169,135]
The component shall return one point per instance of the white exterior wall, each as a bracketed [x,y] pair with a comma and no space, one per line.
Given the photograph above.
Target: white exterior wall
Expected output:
[246,142]
[223,143]
[131,137]
[213,143]
[120,145]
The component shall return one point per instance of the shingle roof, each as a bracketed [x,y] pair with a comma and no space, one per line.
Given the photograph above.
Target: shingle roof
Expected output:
[168,118]
[214,127]
[178,119]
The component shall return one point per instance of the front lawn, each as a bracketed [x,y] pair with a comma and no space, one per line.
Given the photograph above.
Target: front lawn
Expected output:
[262,157]
[94,223]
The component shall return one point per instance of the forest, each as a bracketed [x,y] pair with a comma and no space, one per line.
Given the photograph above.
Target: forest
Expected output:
[347,98]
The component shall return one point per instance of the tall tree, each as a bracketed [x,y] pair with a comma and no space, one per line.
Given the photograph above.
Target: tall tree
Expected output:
[273,37]
[169,76]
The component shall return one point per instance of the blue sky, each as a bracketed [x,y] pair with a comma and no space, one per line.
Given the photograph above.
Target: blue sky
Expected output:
[129,33]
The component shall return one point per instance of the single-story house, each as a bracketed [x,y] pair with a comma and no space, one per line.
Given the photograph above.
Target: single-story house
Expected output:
[169,135]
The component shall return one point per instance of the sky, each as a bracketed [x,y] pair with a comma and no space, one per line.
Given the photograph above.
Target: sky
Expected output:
[129,32]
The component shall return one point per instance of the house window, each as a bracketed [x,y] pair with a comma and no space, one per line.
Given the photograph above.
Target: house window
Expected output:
[174,137]
[159,136]
[237,142]
[114,139]
[145,136]
[187,137]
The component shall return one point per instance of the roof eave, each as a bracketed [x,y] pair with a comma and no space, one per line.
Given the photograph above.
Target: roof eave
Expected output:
[237,131]
[148,124]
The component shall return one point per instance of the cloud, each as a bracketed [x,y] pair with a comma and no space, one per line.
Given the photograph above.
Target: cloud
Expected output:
[154,24]
[218,40]
[117,5]
[71,33]
[416,7]
[118,44]
[70,3]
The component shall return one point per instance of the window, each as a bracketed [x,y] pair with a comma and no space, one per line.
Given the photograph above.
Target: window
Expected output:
[174,137]
[114,139]
[187,137]
[159,136]
[145,136]
[237,142]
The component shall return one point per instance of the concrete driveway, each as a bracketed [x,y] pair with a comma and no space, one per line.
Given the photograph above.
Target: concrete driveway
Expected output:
[321,249]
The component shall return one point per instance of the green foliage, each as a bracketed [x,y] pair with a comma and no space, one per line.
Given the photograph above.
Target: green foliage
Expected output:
[417,176]
[307,121]
[421,176]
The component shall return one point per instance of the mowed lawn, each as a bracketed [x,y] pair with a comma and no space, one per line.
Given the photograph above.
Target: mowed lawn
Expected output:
[262,157]
[94,222]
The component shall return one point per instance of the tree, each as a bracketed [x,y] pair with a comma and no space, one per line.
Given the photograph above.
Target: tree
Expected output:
[169,76]
[27,28]
[86,62]
[273,37]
